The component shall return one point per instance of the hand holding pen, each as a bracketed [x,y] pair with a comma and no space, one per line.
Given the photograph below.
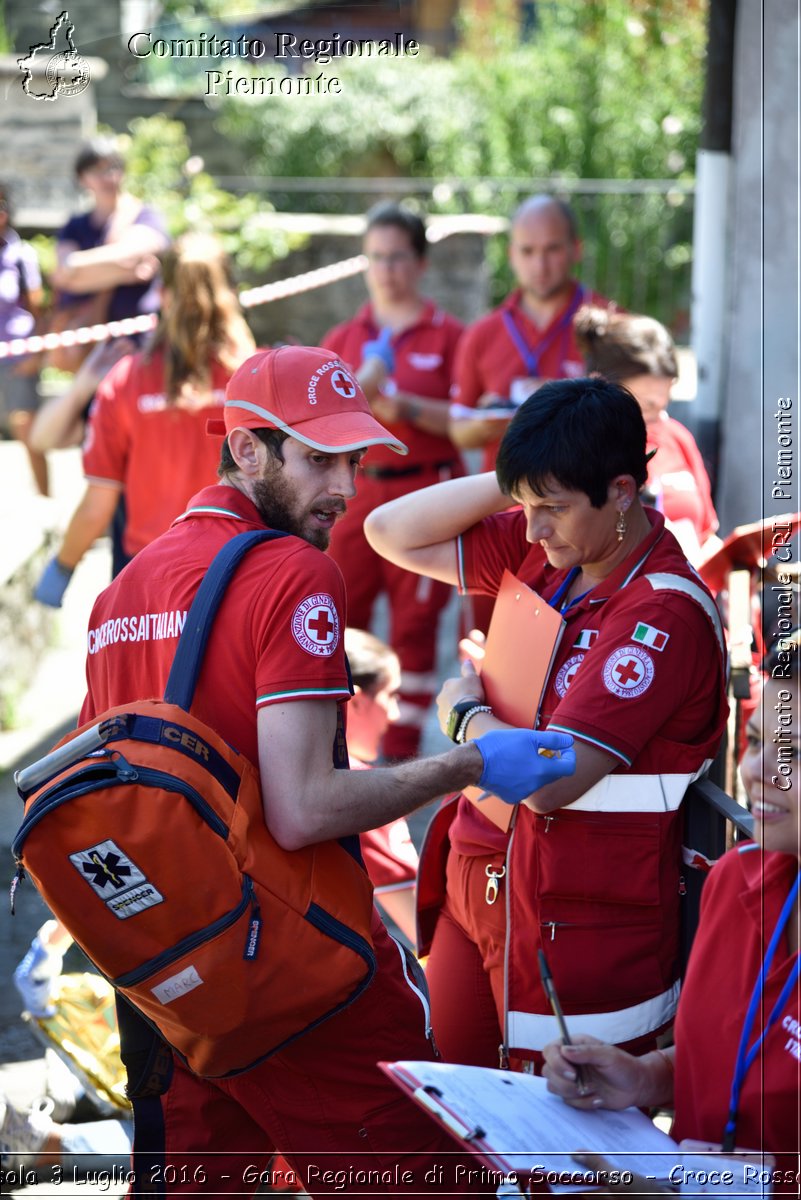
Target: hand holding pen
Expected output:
[611,1077]
[553,1000]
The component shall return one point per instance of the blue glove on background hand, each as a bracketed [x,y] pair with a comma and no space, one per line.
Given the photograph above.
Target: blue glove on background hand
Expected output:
[512,767]
[53,584]
[381,348]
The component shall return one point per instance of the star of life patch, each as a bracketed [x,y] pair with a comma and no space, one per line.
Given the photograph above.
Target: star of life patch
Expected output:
[566,672]
[628,672]
[315,625]
[116,879]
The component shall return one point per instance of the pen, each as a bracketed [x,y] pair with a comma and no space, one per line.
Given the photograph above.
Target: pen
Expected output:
[550,992]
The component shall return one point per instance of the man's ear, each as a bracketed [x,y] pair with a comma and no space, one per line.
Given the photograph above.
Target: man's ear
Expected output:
[247,451]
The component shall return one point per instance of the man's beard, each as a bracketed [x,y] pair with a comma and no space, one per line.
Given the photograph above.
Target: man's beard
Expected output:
[272,498]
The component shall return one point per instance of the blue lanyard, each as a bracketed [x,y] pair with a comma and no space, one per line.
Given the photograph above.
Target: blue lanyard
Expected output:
[745,1057]
[565,586]
[531,356]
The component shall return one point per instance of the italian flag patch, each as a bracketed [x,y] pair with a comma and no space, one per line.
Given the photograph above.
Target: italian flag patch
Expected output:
[648,635]
[585,639]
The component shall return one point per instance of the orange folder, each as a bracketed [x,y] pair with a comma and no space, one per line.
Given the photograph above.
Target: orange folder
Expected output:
[522,640]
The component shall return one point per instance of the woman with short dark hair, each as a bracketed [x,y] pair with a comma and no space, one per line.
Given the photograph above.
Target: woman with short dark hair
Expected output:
[592,871]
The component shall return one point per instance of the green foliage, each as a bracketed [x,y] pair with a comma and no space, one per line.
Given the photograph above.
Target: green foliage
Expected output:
[6,46]
[159,168]
[605,89]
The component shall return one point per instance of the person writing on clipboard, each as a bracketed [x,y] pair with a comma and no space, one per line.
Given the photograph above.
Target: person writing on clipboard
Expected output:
[593,870]
[740,1085]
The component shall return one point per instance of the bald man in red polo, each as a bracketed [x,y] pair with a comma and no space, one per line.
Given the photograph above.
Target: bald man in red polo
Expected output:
[529,338]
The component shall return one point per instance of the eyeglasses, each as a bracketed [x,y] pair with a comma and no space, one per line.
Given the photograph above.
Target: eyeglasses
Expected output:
[398,259]
[101,169]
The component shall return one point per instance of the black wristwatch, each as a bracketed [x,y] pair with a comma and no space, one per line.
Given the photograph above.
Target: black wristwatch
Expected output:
[460,710]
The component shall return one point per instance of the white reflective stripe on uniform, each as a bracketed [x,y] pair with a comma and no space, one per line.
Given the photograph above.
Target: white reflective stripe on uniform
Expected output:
[637,793]
[422,592]
[412,714]
[461,584]
[419,681]
[533,1031]
[662,581]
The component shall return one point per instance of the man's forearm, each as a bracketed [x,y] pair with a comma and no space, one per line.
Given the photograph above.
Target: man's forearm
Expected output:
[353,801]
[426,414]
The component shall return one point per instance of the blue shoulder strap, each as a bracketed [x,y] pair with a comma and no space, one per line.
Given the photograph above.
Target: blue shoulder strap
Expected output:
[188,659]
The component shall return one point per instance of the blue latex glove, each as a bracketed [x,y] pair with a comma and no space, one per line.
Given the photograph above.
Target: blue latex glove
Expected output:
[35,978]
[512,767]
[53,584]
[381,348]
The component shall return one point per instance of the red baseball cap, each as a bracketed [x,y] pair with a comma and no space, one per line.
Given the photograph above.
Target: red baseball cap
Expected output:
[310,394]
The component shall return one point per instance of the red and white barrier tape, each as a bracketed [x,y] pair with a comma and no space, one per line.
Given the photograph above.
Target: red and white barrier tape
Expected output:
[303,283]
[293,286]
[248,299]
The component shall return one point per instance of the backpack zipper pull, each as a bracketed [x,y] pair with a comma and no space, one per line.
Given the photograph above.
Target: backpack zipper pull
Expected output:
[19,875]
[254,930]
[125,772]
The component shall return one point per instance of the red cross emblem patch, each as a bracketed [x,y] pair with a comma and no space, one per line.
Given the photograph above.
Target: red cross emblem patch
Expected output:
[628,672]
[342,383]
[315,625]
[566,673]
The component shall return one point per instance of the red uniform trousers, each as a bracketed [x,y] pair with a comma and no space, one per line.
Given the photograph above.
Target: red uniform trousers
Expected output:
[414,601]
[465,970]
[323,1102]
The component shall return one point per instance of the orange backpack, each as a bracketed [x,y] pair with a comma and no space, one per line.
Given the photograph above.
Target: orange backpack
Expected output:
[144,832]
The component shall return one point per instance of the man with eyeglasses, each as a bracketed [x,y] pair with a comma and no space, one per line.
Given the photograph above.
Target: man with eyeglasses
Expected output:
[402,348]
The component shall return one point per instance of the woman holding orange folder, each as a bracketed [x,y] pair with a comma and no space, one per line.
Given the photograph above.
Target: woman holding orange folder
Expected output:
[592,870]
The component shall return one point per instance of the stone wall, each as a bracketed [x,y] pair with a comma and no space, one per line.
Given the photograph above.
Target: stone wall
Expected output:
[457,278]
[40,140]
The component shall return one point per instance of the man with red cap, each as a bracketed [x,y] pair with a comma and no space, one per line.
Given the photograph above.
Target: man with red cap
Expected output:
[274,676]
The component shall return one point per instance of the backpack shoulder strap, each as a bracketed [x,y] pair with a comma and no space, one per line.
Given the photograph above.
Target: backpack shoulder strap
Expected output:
[188,659]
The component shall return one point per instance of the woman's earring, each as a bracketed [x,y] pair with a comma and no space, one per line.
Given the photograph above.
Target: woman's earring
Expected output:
[620,526]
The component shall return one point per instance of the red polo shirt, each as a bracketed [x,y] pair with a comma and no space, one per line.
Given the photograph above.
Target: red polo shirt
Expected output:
[740,905]
[677,470]
[277,637]
[157,451]
[425,355]
[506,345]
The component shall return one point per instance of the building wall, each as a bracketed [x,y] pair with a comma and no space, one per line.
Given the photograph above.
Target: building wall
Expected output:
[762,359]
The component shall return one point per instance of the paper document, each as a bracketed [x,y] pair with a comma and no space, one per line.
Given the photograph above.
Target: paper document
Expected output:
[515,1125]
